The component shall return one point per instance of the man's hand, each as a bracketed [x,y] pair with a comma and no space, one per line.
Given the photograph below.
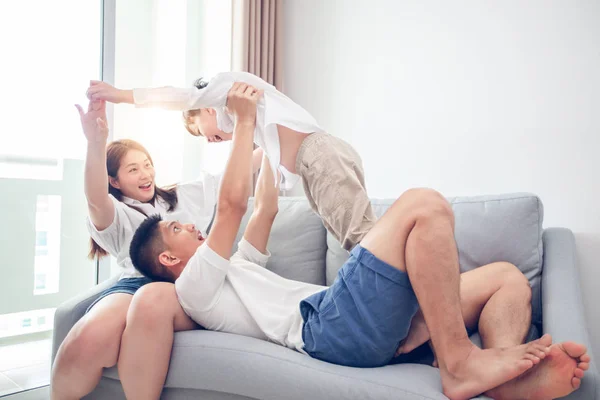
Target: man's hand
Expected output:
[99,90]
[241,102]
[93,122]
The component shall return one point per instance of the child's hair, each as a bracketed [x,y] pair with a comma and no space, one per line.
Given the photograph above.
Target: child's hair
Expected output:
[115,152]
[189,115]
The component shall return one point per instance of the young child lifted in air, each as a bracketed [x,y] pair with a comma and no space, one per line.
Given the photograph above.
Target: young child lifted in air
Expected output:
[330,169]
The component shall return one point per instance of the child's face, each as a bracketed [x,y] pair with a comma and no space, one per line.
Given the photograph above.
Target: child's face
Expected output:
[205,125]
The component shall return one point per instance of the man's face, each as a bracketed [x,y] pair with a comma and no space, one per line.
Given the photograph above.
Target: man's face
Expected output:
[182,241]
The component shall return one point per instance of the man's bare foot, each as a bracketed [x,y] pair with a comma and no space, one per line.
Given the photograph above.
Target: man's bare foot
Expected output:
[482,370]
[556,376]
[417,335]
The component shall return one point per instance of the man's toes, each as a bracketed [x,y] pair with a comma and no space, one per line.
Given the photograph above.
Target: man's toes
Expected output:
[583,366]
[525,364]
[541,347]
[540,354]
[578,373]
[585,358]
[574,350]
[534,359]
[539,351]
[575,382]
[545,340]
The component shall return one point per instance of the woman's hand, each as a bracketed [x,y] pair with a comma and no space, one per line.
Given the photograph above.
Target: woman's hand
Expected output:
[93,122]
[99,90]
[241,102]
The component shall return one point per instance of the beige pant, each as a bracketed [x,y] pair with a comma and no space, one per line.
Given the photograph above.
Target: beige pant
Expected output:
[334,183]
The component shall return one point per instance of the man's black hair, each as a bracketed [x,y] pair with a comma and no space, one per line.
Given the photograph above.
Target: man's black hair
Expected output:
[146,246]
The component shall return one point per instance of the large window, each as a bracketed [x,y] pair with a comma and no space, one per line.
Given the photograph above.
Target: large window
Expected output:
[48,56]
[50,51]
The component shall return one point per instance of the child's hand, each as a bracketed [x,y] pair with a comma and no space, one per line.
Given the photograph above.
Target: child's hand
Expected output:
[99,90]
[93,122]
[241,102]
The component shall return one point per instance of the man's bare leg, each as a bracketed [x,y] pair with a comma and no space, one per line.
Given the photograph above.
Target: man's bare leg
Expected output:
[506,317]
[416,236]
[154,316]
[497,297]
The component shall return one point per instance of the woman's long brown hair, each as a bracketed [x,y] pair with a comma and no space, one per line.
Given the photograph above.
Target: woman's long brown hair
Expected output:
[115,152]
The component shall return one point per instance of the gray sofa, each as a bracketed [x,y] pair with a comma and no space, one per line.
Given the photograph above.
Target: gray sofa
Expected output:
[212,365]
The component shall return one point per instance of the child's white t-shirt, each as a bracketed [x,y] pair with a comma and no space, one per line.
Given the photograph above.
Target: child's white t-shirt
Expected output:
[196,203]
[273,108]
[241,296]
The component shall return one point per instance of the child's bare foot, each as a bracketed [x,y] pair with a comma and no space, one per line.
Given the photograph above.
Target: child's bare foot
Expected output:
[558,375]
[482,370]
[417,335]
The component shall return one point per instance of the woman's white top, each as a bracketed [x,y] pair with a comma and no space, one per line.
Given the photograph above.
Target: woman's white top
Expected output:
[273,109]
[196,202]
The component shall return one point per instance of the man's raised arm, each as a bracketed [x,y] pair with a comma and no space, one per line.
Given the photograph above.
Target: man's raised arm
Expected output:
[265,208]
[236,183]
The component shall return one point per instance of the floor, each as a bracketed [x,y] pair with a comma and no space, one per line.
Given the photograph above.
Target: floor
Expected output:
[42,393]
[23,367]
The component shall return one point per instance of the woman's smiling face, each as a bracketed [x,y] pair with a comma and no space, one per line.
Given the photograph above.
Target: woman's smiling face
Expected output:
[135,177]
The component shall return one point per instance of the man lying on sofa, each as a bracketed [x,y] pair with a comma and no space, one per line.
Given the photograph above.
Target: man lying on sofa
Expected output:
[404,271]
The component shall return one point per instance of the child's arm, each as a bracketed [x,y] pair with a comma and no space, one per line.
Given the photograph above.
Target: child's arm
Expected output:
[168,97]
[99,90]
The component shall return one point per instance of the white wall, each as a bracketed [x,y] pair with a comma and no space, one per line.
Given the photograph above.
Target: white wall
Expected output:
[467,97]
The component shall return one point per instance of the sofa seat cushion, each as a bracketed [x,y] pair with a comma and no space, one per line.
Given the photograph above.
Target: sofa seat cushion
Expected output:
[245,366]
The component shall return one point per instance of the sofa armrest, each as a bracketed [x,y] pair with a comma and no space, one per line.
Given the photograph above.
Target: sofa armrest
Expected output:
[563,313]
[69,312]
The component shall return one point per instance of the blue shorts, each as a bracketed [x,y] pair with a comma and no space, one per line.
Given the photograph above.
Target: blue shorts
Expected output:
[125,285]
[360,320]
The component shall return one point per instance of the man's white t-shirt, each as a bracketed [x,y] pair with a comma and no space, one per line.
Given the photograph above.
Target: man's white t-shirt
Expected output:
[241,296]
[195,204]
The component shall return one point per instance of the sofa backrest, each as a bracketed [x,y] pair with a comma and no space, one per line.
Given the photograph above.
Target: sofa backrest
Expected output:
[488,229]
[297,242]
